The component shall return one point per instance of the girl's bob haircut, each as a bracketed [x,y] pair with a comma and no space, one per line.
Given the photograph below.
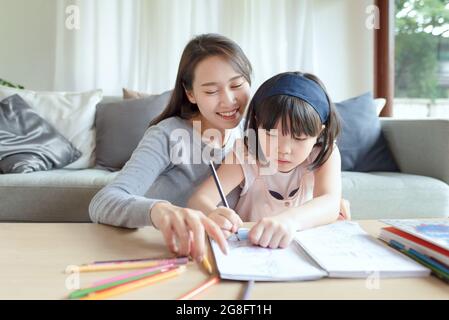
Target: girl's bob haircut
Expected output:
[298,118]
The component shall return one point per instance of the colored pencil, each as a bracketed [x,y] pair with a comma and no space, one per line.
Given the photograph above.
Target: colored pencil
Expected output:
[86,291]
[189,295]
[134,260]
[127,287]
[246,293]
[128,265]
[207,265]
[180,260]
[131,274]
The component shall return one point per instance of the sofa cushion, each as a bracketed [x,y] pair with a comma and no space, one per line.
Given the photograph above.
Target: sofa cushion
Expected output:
[29,143]
[64,195]
[50,196]
[121,125]
[395,195]
[71,113]
[362,144]
[132,94]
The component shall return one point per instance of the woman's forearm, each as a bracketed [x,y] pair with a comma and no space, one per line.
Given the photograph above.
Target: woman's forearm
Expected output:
[122,202]
[202,203]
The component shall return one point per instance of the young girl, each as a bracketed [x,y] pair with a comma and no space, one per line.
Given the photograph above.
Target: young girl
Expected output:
[212,90]
[304,190]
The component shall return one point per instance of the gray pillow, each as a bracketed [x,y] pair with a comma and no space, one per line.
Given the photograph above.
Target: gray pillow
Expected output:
[29,143]
[362,144]
[120,126]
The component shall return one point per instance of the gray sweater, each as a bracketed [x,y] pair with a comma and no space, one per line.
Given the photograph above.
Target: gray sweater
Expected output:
[156,173]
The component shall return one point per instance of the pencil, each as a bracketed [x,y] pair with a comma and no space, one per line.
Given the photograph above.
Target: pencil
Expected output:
[110,284]
[217,182]
[99,295]
[189,295]
[132,274]
[207,265]
[127,265]
[134,260]
[220,189]
[246,292]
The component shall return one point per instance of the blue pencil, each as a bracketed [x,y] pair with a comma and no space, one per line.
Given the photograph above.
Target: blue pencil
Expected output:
[248,288]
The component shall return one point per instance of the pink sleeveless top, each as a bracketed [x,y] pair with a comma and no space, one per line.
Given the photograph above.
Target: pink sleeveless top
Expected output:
[290,189]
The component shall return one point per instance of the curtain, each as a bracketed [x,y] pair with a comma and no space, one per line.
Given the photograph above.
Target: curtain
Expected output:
[137,44]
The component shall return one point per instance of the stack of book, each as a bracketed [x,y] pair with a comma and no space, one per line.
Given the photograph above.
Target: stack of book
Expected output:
[426,241]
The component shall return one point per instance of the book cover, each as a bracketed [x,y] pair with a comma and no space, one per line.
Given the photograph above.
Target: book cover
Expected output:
[435,231]
[418,244]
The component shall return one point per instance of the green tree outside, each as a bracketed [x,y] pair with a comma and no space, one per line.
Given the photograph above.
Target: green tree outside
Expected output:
[421,47]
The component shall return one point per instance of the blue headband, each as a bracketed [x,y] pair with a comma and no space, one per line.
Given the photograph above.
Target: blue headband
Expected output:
[300,87]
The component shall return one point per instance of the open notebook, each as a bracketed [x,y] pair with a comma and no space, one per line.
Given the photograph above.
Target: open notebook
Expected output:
[341,250]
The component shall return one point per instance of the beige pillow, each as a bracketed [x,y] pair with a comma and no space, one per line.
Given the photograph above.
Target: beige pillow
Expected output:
[131,94]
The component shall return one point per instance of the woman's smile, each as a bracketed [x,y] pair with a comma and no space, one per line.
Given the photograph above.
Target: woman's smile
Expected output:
[230,115]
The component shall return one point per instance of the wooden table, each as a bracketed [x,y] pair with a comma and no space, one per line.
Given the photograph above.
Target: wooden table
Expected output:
[33,257]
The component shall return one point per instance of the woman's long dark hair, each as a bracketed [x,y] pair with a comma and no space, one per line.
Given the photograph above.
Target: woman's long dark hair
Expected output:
[199,48]
[296,115]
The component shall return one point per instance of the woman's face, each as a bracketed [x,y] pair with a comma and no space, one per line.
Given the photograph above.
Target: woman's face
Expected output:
[221,93]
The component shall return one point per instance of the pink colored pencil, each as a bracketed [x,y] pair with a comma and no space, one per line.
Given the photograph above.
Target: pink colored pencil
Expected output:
[133,274]
[194,292]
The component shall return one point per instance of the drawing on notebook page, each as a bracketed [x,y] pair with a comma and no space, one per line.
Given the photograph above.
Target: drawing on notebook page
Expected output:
[342,250]
[262,260]
[248,262]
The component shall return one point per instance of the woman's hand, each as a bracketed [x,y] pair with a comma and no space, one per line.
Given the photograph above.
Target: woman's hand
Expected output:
[273,232]
[227,219]
[184,228]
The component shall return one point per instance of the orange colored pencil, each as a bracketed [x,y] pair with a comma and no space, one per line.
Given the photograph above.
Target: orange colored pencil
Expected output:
[189,295]
[99,295]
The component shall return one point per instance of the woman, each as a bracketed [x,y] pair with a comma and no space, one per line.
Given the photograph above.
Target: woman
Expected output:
[211,92]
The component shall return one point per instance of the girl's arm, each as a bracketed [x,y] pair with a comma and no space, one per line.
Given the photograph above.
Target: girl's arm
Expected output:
[207,197]
[277,231]
[324,208]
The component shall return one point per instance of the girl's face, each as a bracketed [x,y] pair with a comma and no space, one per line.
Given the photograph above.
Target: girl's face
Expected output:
[284,150]
[220,92]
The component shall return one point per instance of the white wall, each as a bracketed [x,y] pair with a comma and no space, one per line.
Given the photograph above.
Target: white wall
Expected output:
[27,42]
[343,44]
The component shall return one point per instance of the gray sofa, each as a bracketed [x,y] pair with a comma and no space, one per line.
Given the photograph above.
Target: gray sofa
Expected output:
[421,148]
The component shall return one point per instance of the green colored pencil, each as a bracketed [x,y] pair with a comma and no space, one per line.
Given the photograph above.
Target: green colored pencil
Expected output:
[84,292]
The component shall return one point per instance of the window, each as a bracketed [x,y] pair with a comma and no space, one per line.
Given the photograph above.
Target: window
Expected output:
[421,58]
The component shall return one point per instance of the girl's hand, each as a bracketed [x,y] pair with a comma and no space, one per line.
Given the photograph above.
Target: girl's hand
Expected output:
[183,229]
[345,210]
[273,232]
[227,219]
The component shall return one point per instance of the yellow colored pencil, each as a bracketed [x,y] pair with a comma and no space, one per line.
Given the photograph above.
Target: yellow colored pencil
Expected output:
[100,295]
[207,265]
